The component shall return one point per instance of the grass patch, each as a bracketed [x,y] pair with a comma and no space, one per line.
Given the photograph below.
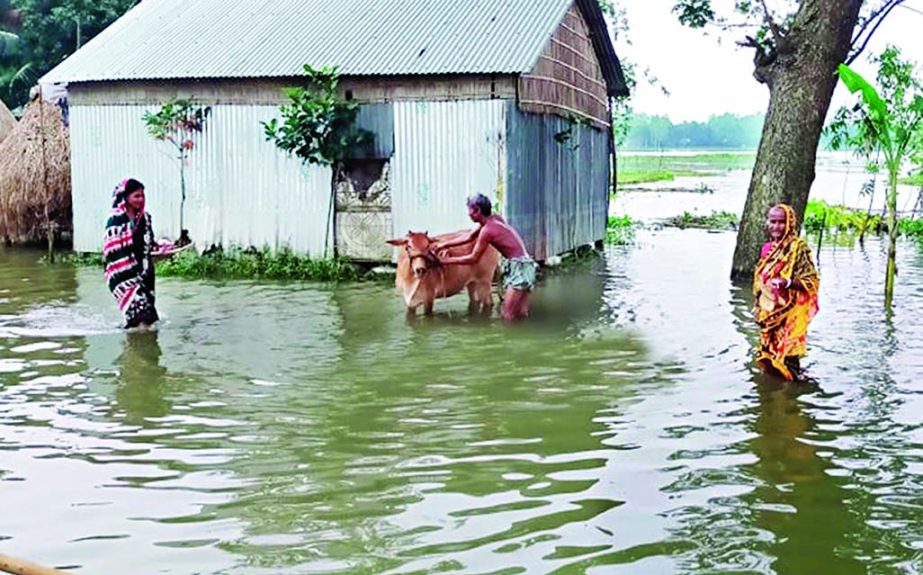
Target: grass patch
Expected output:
[696,164]
[714,221]
[240,263]
[80,259]
[625,177]
[640,169]
[620,231]
[251,263]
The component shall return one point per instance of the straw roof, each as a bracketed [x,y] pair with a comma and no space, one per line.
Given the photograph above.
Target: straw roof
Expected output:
[33,182]
[7,121]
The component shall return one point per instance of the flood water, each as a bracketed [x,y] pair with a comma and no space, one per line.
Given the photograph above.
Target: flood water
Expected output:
[272,428]
[838,180]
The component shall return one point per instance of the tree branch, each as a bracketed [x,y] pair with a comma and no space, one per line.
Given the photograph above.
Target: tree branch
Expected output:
[773,27]
[877,17]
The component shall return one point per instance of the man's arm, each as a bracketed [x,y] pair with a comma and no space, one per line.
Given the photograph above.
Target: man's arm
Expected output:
[479,248]
[468,237]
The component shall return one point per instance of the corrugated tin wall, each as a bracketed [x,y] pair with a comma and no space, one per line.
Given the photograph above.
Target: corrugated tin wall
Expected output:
[240,189]
[444,152]
[557,191]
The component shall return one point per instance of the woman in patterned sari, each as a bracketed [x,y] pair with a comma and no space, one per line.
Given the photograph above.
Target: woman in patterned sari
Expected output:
[127,252]
[785,285]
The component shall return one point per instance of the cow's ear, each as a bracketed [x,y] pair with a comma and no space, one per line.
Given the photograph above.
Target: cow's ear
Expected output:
[397,242]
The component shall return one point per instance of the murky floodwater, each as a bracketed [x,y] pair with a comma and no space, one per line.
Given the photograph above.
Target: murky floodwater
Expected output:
[289,428]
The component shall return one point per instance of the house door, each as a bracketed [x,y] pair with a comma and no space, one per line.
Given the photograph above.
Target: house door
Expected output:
[363,210]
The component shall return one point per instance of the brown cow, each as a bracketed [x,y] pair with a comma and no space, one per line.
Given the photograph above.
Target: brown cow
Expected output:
[422,279]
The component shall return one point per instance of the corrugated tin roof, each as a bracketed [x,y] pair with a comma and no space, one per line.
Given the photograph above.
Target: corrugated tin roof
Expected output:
[171,39]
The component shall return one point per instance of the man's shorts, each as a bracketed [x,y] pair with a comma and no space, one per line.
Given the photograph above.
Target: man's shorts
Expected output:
[519,273]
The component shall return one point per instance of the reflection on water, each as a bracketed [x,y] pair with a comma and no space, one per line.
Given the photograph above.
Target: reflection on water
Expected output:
[288,428]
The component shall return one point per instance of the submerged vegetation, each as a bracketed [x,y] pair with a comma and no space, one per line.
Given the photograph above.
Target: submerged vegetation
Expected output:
[714,221]
[251,263]
[819,215]
[620,230]
[244,263]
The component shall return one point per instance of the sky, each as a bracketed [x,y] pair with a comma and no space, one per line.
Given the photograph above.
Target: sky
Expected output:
[708,74]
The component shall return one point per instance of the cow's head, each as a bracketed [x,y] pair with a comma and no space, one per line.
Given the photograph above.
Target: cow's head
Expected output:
[421,256]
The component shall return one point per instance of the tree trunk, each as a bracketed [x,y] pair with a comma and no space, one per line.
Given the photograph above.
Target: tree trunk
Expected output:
[892,238]
[801,75]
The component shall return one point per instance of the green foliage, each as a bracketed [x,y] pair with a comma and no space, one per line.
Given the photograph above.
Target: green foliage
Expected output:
[819,215]
[912,180]
[177,121]
[620,231]
[714,221]
[251,263]
[694,13]
[81,259]
[47,33]
[888,124]
[911,228]
[317,125]
[727,131]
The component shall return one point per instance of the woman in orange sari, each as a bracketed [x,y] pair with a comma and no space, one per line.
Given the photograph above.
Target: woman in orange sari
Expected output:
[785,287]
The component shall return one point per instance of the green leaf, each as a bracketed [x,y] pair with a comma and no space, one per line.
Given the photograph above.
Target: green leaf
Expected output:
[855,82]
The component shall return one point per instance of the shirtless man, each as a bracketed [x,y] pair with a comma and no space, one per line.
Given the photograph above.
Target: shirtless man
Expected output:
[518,265]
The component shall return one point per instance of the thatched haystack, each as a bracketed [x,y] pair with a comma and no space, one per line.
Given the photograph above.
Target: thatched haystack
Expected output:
[35,177]
[7,122]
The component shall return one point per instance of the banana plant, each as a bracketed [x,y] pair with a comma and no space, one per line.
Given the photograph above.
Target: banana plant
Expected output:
[887,123]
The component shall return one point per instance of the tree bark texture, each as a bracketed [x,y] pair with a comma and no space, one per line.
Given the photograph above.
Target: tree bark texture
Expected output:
[800,73]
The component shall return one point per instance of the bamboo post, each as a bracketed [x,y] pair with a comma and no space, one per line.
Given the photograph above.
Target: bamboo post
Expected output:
[17,566]
[49,226]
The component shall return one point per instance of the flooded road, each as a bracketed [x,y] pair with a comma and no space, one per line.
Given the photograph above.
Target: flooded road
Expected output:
[272,428]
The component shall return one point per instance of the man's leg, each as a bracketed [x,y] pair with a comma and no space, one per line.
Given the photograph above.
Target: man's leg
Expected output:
[523,309]
[515,304]
[509,304]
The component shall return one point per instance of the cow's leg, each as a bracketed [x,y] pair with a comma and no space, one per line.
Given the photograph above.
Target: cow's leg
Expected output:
[474,300]
[485,296]
[428,307]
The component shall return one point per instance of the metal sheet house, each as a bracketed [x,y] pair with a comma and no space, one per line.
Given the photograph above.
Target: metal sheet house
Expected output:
[509,98]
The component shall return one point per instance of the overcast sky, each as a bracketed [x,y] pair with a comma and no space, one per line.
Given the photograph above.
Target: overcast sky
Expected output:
[709,74]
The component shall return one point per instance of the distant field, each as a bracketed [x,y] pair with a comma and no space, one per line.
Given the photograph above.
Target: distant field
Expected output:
[641,168]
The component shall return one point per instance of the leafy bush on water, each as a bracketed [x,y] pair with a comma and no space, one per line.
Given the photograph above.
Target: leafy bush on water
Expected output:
[252,263]
[620,231]
[911,228]
[821,215]
[714,221]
